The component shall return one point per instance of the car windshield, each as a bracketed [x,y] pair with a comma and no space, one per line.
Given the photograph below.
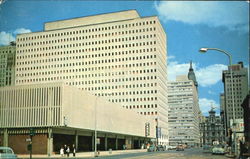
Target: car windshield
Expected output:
[5,151]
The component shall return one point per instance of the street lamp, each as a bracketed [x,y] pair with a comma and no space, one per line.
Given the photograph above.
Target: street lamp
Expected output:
[204,50]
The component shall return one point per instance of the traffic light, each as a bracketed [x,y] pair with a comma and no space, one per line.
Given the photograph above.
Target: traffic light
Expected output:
[147,129]
[32,132]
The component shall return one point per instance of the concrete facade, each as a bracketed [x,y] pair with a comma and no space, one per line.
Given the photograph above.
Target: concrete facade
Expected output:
[183,112]
[55,108]
[7,65]
[119,56]
[240,90]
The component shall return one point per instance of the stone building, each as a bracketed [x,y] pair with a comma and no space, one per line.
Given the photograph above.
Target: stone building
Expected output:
[212,129]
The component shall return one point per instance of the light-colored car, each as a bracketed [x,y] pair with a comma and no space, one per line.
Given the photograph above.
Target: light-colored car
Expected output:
[171,147]
[218,149]
[7,153]
[152,148]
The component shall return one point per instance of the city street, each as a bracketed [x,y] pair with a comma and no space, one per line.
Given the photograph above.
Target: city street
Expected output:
[171,154]
[141,154]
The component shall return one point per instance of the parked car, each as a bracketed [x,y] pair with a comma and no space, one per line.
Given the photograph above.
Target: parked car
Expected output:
[218,149]
[179,148]
[206,148]
[152,148]
[7,153]
[171,147]
[161,148]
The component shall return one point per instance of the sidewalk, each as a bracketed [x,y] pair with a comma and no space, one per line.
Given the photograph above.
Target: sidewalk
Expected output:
[84,154]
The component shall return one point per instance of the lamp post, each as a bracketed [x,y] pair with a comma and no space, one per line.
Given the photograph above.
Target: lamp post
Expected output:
[204,50]
[95,153]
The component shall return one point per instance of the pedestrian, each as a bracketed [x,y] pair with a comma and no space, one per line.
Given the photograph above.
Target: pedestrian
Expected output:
[68,151]
[74,150]
[62,152]
[65,149]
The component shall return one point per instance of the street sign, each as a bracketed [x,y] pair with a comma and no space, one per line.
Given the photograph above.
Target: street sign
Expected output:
[28,140]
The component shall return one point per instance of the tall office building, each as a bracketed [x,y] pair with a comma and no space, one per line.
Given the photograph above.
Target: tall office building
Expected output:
[7,65]
[183,114]
[119,56]
[240,90]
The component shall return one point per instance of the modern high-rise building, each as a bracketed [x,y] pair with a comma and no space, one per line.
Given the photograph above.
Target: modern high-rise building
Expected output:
[119,56]
[183,114]
[7,65]
[240,90]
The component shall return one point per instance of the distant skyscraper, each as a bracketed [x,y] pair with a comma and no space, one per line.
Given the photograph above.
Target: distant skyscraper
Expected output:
[240,90]
[191,75]
[7,65]
[120,56]
[183,110]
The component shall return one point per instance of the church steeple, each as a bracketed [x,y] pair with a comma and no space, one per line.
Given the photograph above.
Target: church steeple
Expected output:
[191,75]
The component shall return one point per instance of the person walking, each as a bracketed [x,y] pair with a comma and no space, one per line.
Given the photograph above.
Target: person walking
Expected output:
[68,151]
[62,152]
[74,150]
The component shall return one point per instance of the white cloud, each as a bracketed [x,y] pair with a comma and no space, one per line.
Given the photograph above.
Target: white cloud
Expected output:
[21,31]
[211,92]
[175,69]
[233,15]
[206,76]
[205,105]
[210,75]
[7,37]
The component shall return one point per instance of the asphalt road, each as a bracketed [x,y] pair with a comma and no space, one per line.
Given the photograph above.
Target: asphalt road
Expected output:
[171,154]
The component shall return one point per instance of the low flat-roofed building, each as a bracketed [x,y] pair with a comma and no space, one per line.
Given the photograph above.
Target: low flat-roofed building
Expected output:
[62,114]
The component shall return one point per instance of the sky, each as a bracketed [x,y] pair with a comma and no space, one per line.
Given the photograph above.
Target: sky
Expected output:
[189,25]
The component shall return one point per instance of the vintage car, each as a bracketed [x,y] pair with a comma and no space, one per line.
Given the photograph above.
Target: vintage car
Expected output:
[161,148]
[7,153]
[152,148]
[218,149]
[180,148]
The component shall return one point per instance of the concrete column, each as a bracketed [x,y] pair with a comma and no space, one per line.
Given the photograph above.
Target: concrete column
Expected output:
[116,142]
[5,138]
[50,142]
[93,141]
[76,140]
[106,142]
[139,142]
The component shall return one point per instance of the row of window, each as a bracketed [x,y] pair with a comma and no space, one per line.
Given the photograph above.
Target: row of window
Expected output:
[122,46]
[121,26]
[97,36]
[87,56]
[74,63]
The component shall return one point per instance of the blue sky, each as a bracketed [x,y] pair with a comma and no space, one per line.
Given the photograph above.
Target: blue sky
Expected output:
[189,26]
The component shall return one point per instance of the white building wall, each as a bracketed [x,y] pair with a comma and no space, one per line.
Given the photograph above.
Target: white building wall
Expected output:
[183,112]
[46,105]
[121,58]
